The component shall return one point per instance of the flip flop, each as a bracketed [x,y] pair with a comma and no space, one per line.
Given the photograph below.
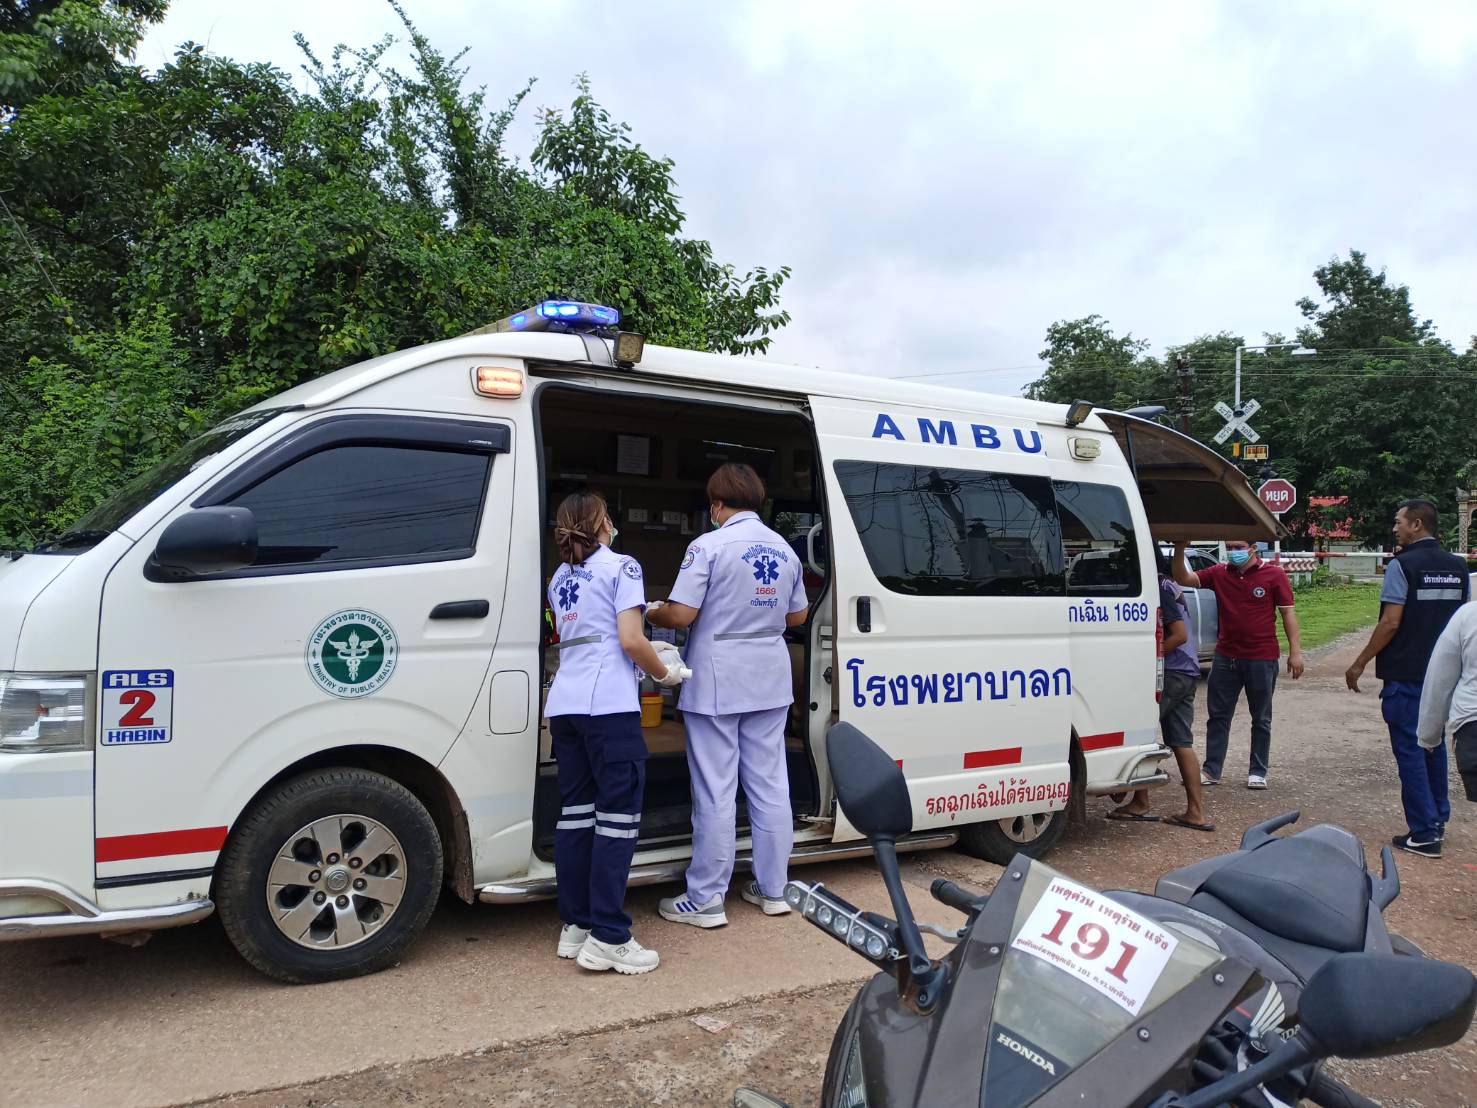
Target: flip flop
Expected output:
[1180,822]
[1132,817]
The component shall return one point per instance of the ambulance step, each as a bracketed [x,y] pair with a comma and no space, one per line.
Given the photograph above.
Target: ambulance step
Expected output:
[543,888]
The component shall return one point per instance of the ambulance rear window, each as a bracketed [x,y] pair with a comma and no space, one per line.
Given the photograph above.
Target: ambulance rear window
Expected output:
[1098,540]
[930,531]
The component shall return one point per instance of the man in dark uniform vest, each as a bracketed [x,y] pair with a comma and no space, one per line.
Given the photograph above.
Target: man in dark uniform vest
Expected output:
[1424,587]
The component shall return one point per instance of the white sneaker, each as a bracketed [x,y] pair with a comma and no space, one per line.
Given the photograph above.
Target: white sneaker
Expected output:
[1207,780]
[680,909]
[629,957]
[1256,781]
[571,938]
[772,905]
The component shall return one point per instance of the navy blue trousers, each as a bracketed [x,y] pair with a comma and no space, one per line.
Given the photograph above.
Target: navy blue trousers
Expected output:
[602,774]
[1423,792]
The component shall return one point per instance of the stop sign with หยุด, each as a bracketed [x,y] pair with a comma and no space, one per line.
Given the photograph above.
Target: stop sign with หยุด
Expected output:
[1278,495]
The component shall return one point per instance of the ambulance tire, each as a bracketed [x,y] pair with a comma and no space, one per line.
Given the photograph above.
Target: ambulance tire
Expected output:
[1027,835]
[241,877]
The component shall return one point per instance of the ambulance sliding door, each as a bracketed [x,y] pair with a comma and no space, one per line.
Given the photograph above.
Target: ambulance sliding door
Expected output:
[950,619]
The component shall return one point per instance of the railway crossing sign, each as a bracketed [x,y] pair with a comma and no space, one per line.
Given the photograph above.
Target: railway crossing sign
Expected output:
[1278,495]
[1236,420]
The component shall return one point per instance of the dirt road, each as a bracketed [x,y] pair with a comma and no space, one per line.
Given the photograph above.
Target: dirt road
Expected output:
[482,1013]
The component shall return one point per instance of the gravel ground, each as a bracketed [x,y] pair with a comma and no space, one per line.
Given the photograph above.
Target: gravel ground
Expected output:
[480,1012]
[1330,759]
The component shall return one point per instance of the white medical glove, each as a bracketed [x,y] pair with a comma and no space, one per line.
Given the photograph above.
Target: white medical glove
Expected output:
[672,659]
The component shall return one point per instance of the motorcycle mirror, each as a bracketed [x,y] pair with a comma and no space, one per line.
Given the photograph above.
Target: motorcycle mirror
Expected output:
[1372,1005]
[869,785]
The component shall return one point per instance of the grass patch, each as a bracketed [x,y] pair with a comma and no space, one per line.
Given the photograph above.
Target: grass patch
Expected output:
[1327,612]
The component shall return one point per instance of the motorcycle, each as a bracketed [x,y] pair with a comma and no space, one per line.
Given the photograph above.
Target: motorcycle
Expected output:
[1055,993]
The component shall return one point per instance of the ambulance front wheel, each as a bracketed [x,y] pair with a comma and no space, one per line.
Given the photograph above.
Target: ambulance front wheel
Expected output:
[331,875]
[1000,840]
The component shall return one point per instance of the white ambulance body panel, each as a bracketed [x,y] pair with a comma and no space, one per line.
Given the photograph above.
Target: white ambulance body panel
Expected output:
[207,691]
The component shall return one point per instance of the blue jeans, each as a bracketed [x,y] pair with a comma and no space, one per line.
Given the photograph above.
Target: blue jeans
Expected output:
[1228,677]
[1422,771]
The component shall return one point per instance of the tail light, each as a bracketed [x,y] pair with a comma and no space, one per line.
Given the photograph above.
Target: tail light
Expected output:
[1158,660]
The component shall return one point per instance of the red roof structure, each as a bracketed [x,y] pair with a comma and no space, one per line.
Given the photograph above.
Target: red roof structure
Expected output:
[1339,529]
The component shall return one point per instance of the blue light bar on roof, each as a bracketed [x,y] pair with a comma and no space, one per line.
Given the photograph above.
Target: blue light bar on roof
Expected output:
[561,315]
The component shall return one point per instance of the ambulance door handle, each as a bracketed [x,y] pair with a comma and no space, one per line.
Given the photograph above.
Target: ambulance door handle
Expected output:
[864,614]
[461,609]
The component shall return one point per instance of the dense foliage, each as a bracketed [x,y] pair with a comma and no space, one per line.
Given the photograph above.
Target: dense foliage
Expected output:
[1382,413]
[176,245]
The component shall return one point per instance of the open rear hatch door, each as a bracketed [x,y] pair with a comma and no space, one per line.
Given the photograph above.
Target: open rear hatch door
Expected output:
[1190,492]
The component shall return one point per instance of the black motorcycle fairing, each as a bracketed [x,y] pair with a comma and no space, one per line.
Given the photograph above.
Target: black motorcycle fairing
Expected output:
[909,1059]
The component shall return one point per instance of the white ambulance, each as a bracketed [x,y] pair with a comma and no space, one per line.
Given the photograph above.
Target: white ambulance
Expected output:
[295,674]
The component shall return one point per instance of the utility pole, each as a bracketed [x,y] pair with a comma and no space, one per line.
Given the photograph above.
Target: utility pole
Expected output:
[1186,374]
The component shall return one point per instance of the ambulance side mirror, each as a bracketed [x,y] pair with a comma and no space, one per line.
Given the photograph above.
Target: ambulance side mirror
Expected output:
[207,540]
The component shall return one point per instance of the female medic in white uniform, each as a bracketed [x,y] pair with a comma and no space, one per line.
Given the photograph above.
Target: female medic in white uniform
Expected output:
[597,598]
[738,589]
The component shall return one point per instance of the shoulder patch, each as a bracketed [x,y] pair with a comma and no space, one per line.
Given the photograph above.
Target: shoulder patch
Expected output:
[632,569]
[689,557]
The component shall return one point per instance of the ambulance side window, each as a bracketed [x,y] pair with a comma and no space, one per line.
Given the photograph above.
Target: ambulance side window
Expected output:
[1098,540]
[369,504]
[930,531]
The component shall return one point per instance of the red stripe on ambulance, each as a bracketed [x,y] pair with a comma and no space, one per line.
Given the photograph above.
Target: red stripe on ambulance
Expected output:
[1101,742]
[157,844]
[984,759]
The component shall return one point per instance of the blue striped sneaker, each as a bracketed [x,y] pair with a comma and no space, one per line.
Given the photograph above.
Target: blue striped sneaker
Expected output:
[680,909]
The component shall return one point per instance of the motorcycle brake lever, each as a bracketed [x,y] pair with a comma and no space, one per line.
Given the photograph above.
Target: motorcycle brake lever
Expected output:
[946,935]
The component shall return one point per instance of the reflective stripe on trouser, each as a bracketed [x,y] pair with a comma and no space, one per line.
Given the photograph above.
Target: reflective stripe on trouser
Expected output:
[721,752]
[600,788]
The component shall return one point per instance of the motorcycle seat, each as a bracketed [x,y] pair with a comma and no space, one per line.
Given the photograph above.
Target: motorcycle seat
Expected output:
[1303,890]
[1302,959]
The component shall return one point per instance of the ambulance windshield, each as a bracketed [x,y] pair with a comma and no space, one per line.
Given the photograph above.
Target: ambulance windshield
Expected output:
[108,516]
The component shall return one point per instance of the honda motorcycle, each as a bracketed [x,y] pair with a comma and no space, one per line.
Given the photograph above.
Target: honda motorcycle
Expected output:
[1230,986]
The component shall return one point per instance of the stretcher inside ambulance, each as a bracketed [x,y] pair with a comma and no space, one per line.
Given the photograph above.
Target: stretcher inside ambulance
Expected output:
[295,674]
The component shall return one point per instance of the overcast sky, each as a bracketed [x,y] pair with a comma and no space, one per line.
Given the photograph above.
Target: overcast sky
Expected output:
[946,180]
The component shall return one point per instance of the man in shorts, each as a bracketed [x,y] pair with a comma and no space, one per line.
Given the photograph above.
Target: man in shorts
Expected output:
[1176,711]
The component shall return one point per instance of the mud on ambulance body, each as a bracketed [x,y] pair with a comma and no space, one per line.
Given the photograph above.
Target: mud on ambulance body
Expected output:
[295,674]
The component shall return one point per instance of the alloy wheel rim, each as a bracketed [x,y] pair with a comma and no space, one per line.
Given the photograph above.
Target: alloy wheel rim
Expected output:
[336,881]
[1026,828]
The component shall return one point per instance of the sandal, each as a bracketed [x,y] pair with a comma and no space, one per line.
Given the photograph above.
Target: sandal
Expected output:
[1180,821]
[1132,817]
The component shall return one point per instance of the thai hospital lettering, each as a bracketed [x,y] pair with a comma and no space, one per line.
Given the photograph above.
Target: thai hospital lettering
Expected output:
[1002,793]
[888,690]
[949,432]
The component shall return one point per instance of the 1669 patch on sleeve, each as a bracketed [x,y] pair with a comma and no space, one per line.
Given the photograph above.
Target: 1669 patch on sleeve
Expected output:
[138,707]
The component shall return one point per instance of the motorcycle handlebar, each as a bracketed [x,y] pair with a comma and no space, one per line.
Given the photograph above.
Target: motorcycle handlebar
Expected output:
[1329,1092]
[948,893]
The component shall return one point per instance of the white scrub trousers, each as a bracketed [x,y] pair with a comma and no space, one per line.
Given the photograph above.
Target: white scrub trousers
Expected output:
[721,752]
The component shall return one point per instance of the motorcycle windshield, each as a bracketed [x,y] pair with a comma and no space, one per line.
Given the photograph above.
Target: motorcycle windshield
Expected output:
[1081,969]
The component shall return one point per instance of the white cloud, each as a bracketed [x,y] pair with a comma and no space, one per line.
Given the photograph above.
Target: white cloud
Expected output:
[948,179]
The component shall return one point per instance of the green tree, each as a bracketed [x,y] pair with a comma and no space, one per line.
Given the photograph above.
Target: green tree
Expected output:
[187,241]
[1085,360]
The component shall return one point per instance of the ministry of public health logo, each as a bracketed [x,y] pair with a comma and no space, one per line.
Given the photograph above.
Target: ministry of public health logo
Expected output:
[352,653]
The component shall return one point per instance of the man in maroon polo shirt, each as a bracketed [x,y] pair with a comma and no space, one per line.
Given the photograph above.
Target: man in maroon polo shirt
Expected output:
[1248,594]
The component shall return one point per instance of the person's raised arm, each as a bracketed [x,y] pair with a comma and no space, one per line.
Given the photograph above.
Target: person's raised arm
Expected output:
[1182,573]
[671,615]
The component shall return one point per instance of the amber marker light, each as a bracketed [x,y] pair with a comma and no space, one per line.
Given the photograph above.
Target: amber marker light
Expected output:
[493,380]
